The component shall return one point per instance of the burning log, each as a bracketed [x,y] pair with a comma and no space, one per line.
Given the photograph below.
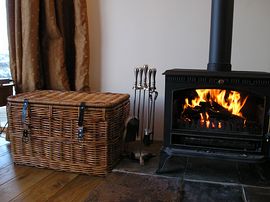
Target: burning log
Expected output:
[192,113]
[211,114]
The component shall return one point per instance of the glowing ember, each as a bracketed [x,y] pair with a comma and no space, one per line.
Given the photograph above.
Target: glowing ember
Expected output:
[205,119]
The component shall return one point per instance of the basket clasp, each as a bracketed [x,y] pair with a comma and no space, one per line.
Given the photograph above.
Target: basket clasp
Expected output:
[80,121]
[25,136]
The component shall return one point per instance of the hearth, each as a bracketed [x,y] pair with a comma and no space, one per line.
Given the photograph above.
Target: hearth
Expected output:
[217,113]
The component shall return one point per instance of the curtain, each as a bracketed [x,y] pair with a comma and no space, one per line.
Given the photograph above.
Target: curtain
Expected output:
[49,46]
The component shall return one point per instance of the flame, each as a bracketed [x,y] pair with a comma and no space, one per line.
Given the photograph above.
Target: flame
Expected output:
[205,120]
[231,101]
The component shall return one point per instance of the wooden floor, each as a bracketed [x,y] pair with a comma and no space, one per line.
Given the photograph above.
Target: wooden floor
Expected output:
[23,183]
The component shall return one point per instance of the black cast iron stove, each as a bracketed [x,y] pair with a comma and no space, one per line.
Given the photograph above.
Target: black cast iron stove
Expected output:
[217,113]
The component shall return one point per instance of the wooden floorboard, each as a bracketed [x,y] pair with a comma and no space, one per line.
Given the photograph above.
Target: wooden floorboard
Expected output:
[4,149]
[47,187]
[25,183]
[78,189]
[5,160]
[3,141]
[10,172]
[20,184]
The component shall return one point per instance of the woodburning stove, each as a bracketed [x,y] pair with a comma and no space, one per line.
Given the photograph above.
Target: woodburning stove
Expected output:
[217,113]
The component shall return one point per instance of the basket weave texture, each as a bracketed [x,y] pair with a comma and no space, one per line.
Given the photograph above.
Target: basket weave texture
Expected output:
[52,125]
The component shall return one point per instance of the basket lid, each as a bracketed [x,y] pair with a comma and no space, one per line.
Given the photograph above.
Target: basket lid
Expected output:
[71,98]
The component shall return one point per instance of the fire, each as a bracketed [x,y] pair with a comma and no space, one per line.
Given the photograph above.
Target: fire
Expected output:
[217,99]
[205,119]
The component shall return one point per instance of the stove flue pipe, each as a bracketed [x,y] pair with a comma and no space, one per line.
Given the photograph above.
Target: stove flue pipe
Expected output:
[221,35]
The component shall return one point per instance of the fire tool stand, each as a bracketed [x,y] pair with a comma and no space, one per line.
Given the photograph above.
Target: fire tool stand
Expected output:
[141,125]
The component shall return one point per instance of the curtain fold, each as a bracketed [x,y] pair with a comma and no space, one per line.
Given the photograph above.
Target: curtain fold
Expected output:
[81,46]
[49,46]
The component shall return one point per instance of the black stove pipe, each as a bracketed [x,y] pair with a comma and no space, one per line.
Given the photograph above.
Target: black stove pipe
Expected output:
[221,35]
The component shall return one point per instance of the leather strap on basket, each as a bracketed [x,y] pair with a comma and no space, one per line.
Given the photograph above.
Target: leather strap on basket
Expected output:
[80,121]
[25,136]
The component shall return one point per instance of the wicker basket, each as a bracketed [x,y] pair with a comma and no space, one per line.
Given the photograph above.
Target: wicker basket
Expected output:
[45,130]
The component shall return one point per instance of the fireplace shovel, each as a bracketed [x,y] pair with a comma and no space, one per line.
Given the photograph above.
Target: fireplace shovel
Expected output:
[132,125]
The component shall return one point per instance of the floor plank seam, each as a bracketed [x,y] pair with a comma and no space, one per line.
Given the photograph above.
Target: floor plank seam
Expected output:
[31,187]
[3,184]
[64,187]
[6,165]
[4,153]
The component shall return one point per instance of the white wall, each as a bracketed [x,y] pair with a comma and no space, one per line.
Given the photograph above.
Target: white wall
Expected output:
[166,34]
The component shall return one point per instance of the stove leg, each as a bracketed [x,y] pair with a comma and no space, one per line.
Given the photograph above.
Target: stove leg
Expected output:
[164,157]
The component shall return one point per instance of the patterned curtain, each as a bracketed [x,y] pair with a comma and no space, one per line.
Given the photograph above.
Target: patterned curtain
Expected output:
[49,46]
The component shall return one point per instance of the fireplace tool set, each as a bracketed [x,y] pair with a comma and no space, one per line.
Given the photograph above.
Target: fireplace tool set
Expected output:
[141,125]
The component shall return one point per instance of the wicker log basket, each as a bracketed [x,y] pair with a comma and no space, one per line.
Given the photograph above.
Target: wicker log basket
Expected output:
[69,131]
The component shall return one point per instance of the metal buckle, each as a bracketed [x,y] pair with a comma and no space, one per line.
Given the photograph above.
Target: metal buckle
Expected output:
[80,122]
[80,133]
